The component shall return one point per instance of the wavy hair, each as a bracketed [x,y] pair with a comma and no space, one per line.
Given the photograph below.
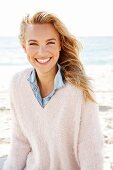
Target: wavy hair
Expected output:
[71,66]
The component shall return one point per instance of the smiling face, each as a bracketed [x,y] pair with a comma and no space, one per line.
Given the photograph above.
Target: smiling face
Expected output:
[42,46]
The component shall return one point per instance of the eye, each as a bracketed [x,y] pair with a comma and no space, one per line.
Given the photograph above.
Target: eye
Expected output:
[51,42]
[33,44]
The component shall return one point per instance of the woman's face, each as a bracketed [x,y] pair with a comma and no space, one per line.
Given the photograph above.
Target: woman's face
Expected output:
[42,46]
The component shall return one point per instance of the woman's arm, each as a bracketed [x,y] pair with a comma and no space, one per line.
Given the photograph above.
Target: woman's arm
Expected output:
[20,146]
[90,147]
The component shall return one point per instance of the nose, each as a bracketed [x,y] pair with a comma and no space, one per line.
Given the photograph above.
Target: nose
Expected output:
[41,50]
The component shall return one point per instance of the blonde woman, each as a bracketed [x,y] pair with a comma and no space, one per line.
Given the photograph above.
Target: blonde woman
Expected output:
[55,116]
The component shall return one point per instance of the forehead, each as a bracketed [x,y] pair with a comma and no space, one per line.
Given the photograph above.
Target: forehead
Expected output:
[41,31]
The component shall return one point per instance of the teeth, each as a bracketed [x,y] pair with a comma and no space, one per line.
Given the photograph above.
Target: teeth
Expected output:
[43,61]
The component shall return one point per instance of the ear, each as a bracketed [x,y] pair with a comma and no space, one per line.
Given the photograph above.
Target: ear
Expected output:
[24,47]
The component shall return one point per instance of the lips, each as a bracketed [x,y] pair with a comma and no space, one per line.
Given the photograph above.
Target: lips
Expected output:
[42,61]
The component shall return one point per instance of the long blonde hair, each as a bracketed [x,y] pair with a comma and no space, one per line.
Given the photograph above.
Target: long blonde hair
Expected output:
[72,68]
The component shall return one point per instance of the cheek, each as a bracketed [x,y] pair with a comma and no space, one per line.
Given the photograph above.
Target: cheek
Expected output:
[31,52]
[54,50]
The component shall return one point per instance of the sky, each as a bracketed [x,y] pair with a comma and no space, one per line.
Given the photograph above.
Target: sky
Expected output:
[82,17]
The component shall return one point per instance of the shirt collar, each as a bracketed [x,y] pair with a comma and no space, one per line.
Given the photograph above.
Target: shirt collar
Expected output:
[58,80]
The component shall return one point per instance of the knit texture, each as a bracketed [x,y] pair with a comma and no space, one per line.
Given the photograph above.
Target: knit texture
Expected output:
[64,135]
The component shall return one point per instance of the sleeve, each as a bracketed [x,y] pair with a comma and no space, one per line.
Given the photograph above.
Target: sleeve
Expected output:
[19,147]
[90,146]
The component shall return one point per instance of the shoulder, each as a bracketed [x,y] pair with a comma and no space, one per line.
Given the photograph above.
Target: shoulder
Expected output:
[18,82]
[76,92]
[88,107]
[73,92]
[18,78]
[73,89]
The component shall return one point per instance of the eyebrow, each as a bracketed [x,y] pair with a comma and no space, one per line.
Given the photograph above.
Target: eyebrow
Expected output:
[51,39]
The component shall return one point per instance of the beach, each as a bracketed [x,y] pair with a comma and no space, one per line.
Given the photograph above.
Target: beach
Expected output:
[102,76]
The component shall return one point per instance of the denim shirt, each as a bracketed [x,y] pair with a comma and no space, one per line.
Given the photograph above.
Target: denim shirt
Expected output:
[58,83]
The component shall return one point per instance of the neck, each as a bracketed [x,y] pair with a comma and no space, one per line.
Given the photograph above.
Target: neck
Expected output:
[46,81]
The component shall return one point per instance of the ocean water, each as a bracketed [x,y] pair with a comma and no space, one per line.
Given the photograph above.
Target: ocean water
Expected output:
[95,51]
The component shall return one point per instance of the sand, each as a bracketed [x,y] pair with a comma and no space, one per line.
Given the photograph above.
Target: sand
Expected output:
[103,87]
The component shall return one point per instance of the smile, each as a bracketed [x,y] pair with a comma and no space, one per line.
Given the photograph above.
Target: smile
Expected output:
[42,61]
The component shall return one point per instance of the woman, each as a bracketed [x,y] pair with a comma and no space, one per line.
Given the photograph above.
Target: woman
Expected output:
[55,117]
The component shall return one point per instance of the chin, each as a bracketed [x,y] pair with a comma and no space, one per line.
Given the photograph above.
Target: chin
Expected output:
[45,70]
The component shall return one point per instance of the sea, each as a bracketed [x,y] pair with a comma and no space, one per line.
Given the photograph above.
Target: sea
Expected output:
[94,51]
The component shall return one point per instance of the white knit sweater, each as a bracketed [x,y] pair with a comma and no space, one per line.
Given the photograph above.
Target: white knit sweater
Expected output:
[64,135]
